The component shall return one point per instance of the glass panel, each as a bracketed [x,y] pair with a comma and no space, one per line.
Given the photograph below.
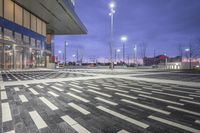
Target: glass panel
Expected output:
[8,52]
[33,42]
[38,44]
[1,56]
[26,40]
[18,14]
[8,10]
[18,57]
[1,33]
[26,19]
[18,37]
[8,35]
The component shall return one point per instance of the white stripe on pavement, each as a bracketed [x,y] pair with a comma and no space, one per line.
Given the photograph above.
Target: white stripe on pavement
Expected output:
[174,124]
[39,86]
[106,101]
[162,100]
[92,87]
[75,125]
[108,88]
[146,107]
[194,96]
[122,131]
[45,83]
[129,87]
[76,86]
[197,121]
[184,110]
[53,94]
[78,91]
[80,109]
[16,88]
[78,97]
[33,91]
[37,119]
[142,92]
[26,85]
[124,95]
[56,88]
[123,117]
[4,95]
[23,98]
[100,93]
[48,103]
[6,113]
[58,84]
[174,95]
[187,101]
[12,131]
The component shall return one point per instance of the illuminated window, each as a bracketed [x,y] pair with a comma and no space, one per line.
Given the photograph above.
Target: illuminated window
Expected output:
[18,14]
[1,8]
[18,36]
[32,42]
[26,40]
[8,10]
[8,34]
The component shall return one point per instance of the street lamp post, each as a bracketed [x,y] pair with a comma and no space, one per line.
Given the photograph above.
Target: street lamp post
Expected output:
[111,14]
[59,55]
[123,39]
[66,43]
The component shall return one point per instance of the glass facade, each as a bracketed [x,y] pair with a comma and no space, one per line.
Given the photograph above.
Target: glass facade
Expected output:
[21,47]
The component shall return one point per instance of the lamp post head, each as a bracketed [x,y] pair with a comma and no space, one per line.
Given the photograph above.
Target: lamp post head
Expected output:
[118,50]
[59,52]
[124,38]
[112,5]
[187,49]
[73,55]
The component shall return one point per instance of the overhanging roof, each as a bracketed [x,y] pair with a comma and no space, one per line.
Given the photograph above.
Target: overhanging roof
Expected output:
[58,14]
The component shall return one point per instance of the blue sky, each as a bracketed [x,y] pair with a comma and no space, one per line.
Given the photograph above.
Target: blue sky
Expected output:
[161,24]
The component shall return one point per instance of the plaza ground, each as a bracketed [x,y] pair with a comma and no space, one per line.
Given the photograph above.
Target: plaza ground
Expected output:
[99,101]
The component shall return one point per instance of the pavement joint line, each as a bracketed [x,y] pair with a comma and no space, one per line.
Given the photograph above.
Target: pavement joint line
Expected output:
[74,124]
[184,110]
[146,107]
[174,124]
[123,117]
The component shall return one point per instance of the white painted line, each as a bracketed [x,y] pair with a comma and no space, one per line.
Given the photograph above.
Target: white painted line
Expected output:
[58,84]
[2,87]
[178,91]
[76,86]
[197,121]
[72,89]
[91,84]
[26,85]
[6,113]
[174,95]
[53,94]
[123,117]
[80,109]
[100,93]
[184,110]
[123,131]
[129,87]
[146,107]
[78,97]
[45,83]
[92,87]
[195,96]
[142,92]
[48,103]
[124,95]
[12,131]
[107,85]
[108,88]
[56,88]
[37,119]
[148,88]
[3,95]
[39,86]
[33,91]
[187,101]
[16,88]
[174,124]
[106,101]
[75,125]
[23,98]
[162,100]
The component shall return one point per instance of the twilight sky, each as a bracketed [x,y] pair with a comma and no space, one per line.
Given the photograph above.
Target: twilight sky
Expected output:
[162,24]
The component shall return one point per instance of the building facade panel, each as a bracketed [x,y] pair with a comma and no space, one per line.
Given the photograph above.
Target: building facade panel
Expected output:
[26,19]
[18,14]
[33,23]
[9,10]
[1,8]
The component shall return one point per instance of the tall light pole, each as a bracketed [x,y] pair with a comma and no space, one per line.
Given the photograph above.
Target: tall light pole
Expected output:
[124,39]
[59,52]
[111,14]
[135,54]
[190,56]
[66,43]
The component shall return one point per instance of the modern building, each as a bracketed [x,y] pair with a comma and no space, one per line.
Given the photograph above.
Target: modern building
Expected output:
[27,28]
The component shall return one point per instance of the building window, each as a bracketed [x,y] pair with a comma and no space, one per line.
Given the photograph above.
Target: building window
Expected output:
[18,14]
[9,9]
[26,40]
[38,44]
[39,26]
[26,19]
[33,42]
[1,8]
[18,36]
[1,33]
[33,23]
[8,34]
